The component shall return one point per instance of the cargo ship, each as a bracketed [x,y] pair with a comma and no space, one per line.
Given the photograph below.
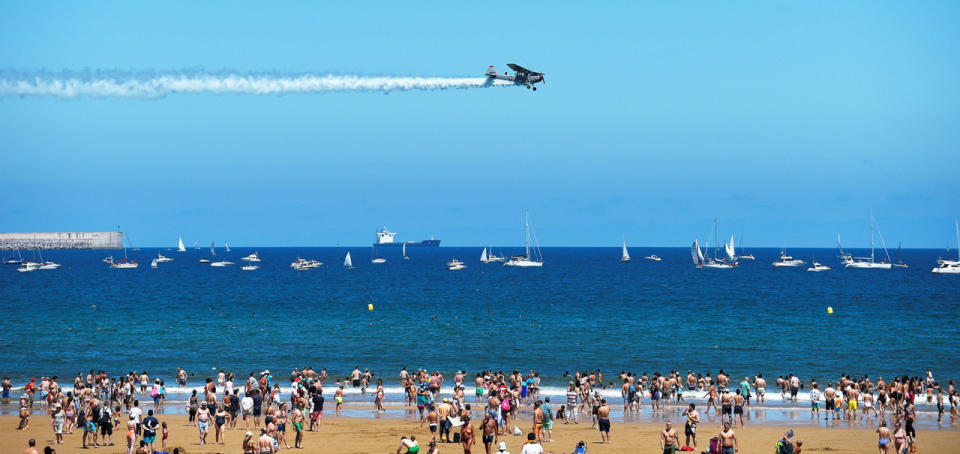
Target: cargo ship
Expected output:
[387,238]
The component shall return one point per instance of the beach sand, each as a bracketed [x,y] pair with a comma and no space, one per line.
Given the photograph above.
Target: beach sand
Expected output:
[382,435]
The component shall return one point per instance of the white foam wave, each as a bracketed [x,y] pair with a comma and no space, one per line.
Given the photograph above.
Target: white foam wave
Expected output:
[129,85]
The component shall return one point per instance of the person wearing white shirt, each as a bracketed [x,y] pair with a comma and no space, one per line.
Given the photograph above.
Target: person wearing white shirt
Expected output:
[532,447]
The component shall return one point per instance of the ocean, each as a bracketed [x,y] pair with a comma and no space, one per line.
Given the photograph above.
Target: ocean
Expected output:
[582,310]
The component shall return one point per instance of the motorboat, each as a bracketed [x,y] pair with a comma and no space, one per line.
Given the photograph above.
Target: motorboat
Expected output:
[204,260]
[455,265]
[163,259]
[867,263]
[532,258]
[153,263]
[221,263]
[124,264]
[301,264]
[787,261]
[378,260]
[950,266]
[653,257]
[255,257]
[29,266]
[817,267]
[249,267]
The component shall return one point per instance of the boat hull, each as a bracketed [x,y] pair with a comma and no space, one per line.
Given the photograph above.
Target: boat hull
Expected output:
[868,266]
[424,243]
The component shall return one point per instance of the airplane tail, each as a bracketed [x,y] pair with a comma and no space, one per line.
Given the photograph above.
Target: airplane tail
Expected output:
[491,71]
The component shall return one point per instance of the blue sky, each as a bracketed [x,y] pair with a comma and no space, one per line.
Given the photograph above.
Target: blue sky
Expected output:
[787,120]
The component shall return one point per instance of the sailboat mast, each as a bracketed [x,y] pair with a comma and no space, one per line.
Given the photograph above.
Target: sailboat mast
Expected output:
[956,226]
[526,228]
[871,235]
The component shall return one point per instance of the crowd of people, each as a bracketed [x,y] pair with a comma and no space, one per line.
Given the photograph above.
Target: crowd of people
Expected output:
[98,404]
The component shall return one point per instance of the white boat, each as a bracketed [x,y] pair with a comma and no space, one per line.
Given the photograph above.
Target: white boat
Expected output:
[221,263]
[899,263]
[483,256]
[347,263]
[376,255]
[867,263]
[180,247]
[404,253]
[303,264]
[844,257]
[196,244]
[204,260]
[14,261]
[950,266]
[46,265]
[455,265]
[527,260]
[227,246]
[213,250]
[624,256]
[255,257]
[162,259]
[817,267]
[653,257]
[714,262]
[491,257]
[29,266]
[743,255]
[153,263]
[787,261]
[249,267]
[125,263]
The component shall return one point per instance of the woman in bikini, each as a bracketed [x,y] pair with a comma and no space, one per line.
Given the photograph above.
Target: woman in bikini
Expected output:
[883,436]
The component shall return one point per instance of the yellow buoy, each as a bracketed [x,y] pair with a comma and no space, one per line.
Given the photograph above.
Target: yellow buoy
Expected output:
[370,308]
[829,309]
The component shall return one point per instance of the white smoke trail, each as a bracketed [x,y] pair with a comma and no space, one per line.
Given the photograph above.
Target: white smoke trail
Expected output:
[130,85]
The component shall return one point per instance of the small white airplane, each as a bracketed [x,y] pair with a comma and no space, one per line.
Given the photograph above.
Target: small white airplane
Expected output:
[523,76]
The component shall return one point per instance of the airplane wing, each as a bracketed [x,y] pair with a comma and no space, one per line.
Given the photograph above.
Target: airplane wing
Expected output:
[518,68]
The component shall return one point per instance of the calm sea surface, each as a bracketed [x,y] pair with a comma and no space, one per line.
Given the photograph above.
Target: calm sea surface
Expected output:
[583,309]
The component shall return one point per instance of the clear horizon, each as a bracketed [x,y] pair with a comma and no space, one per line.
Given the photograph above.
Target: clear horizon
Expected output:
[787,121]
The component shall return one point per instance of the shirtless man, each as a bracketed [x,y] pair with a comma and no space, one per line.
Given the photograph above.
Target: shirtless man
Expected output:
[466,435]
[538,420]
[203,423]
[726,406]
[298,419]
[489,426]
[31,447]
[830,395]
[669,439]
[794,387]
[738,401]
[761,386]
[852,395]
[728,440]
[628,392]
[265,443]
[603,421]
[690,428]
[443,412]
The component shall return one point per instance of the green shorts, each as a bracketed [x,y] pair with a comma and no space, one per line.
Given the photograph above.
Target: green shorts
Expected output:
[548,424]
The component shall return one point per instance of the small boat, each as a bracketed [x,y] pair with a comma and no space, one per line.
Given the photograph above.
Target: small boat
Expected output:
[153,263]
[347,262]
[249,267]
[221,263]
[653,257]
[899,263]
[817,267]
[624,256]
[376,256]
[124,264]
[404,253]
[787,261]
[227,246]
[180,247]
[950,266]
[108,259]
[483,256]
[213,250]
[455,265]
[743,255]
[14,261]
[491,257]
[46,265]
[162,259]
[714,262]
[255,257]
[29,266]
[204,260]
[867,263]
[301,264]
[527,260]
[196,244]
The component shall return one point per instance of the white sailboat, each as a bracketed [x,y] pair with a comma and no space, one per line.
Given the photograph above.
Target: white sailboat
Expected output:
[870,262]
[14,261]
[743,254]
[624,256]
[227,245]
[713,262]
[196,244]
[844,257]
[527,260]
[950,266]
[180,247]
[491,257]
[404,252]
[125,263]
[899,263]
[46,265]
[347,263]
[483,256]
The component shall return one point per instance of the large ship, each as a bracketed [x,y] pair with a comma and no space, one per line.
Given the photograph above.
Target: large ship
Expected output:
[387,238]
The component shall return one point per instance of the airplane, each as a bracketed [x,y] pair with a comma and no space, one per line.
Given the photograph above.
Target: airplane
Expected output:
[523,76]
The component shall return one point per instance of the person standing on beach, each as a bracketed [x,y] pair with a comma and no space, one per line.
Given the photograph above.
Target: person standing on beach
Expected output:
[203,423]
[467,438]
[547,420]
[338,398]
[669,440]
[729,444]
[852,395]
[572,396]
[603,421]
[794,387]
[690,428]
[815,400]
[738,401]
[726,405]
[883,437]
[489,432]
[150,425]
[829,396]
[316,418]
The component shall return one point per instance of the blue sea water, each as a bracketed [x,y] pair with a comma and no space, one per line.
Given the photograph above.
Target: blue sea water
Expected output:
[583,310]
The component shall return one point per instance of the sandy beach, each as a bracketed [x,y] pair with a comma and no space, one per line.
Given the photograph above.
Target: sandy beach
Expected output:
[382,435]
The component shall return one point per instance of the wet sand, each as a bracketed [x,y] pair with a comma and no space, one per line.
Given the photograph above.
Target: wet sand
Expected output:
[382,435]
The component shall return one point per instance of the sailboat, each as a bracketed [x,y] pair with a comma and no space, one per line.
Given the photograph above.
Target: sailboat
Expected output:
[624,256]
[347,263]
[14,261]
[483,256]
[125,263]
[376,257]
[844,257]
[220,263]
[713,262]
[870,262]
[180,247]
[526,260]
[743,255]
[899,263]
[491,257]
[196,244]
[950,266]
[213,250]
[227,246]
[404,252]
[46,265]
